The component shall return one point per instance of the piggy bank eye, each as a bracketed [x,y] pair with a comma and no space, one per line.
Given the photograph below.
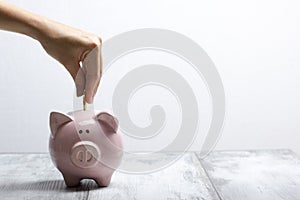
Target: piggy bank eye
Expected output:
[87,131]
[80,131]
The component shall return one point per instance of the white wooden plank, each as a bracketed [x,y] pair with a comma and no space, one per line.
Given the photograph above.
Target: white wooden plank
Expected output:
[33,176]
[254,175]
[185,179]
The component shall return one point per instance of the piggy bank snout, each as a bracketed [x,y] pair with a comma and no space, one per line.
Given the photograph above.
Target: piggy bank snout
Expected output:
[85,154]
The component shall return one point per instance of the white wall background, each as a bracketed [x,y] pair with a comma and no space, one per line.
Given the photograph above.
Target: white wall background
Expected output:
[254,44]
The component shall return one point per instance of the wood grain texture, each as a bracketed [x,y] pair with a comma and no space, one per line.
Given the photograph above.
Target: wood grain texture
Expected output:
[185,179]
[33,176]
[236,175]
[254,175]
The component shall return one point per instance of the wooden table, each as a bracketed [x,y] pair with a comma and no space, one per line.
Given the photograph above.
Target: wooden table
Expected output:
[226,175]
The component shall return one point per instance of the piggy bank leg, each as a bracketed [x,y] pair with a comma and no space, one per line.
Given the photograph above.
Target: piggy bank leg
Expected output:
[71,181]
[103,181]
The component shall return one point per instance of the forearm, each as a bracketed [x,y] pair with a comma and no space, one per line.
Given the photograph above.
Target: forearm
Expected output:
[18,20]
[69,46]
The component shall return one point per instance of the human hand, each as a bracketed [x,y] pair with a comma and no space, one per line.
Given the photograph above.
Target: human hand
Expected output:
[68,45]
[71,47]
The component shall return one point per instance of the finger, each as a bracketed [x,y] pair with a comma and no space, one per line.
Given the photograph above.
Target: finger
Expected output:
[80,82]
[96,88]
[73,69]
[92,68]
[91,82]
[98,83]
[78,77]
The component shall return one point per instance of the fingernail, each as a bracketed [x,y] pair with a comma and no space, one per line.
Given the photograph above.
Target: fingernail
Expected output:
[92,100]
[89,100]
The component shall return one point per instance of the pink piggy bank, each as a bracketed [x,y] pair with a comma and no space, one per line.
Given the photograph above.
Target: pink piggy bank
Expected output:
[84,145]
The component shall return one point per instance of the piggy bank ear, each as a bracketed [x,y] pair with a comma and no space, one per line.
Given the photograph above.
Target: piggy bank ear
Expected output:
[108,122]
[57,120]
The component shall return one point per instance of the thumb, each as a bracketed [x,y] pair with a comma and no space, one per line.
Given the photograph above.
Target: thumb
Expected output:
[80,82]
[91,83]
[92,67]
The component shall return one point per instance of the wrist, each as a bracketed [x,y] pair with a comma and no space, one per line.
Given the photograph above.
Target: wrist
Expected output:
[35,27]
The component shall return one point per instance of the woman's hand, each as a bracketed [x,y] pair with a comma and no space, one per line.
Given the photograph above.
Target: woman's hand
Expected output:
[70,47]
